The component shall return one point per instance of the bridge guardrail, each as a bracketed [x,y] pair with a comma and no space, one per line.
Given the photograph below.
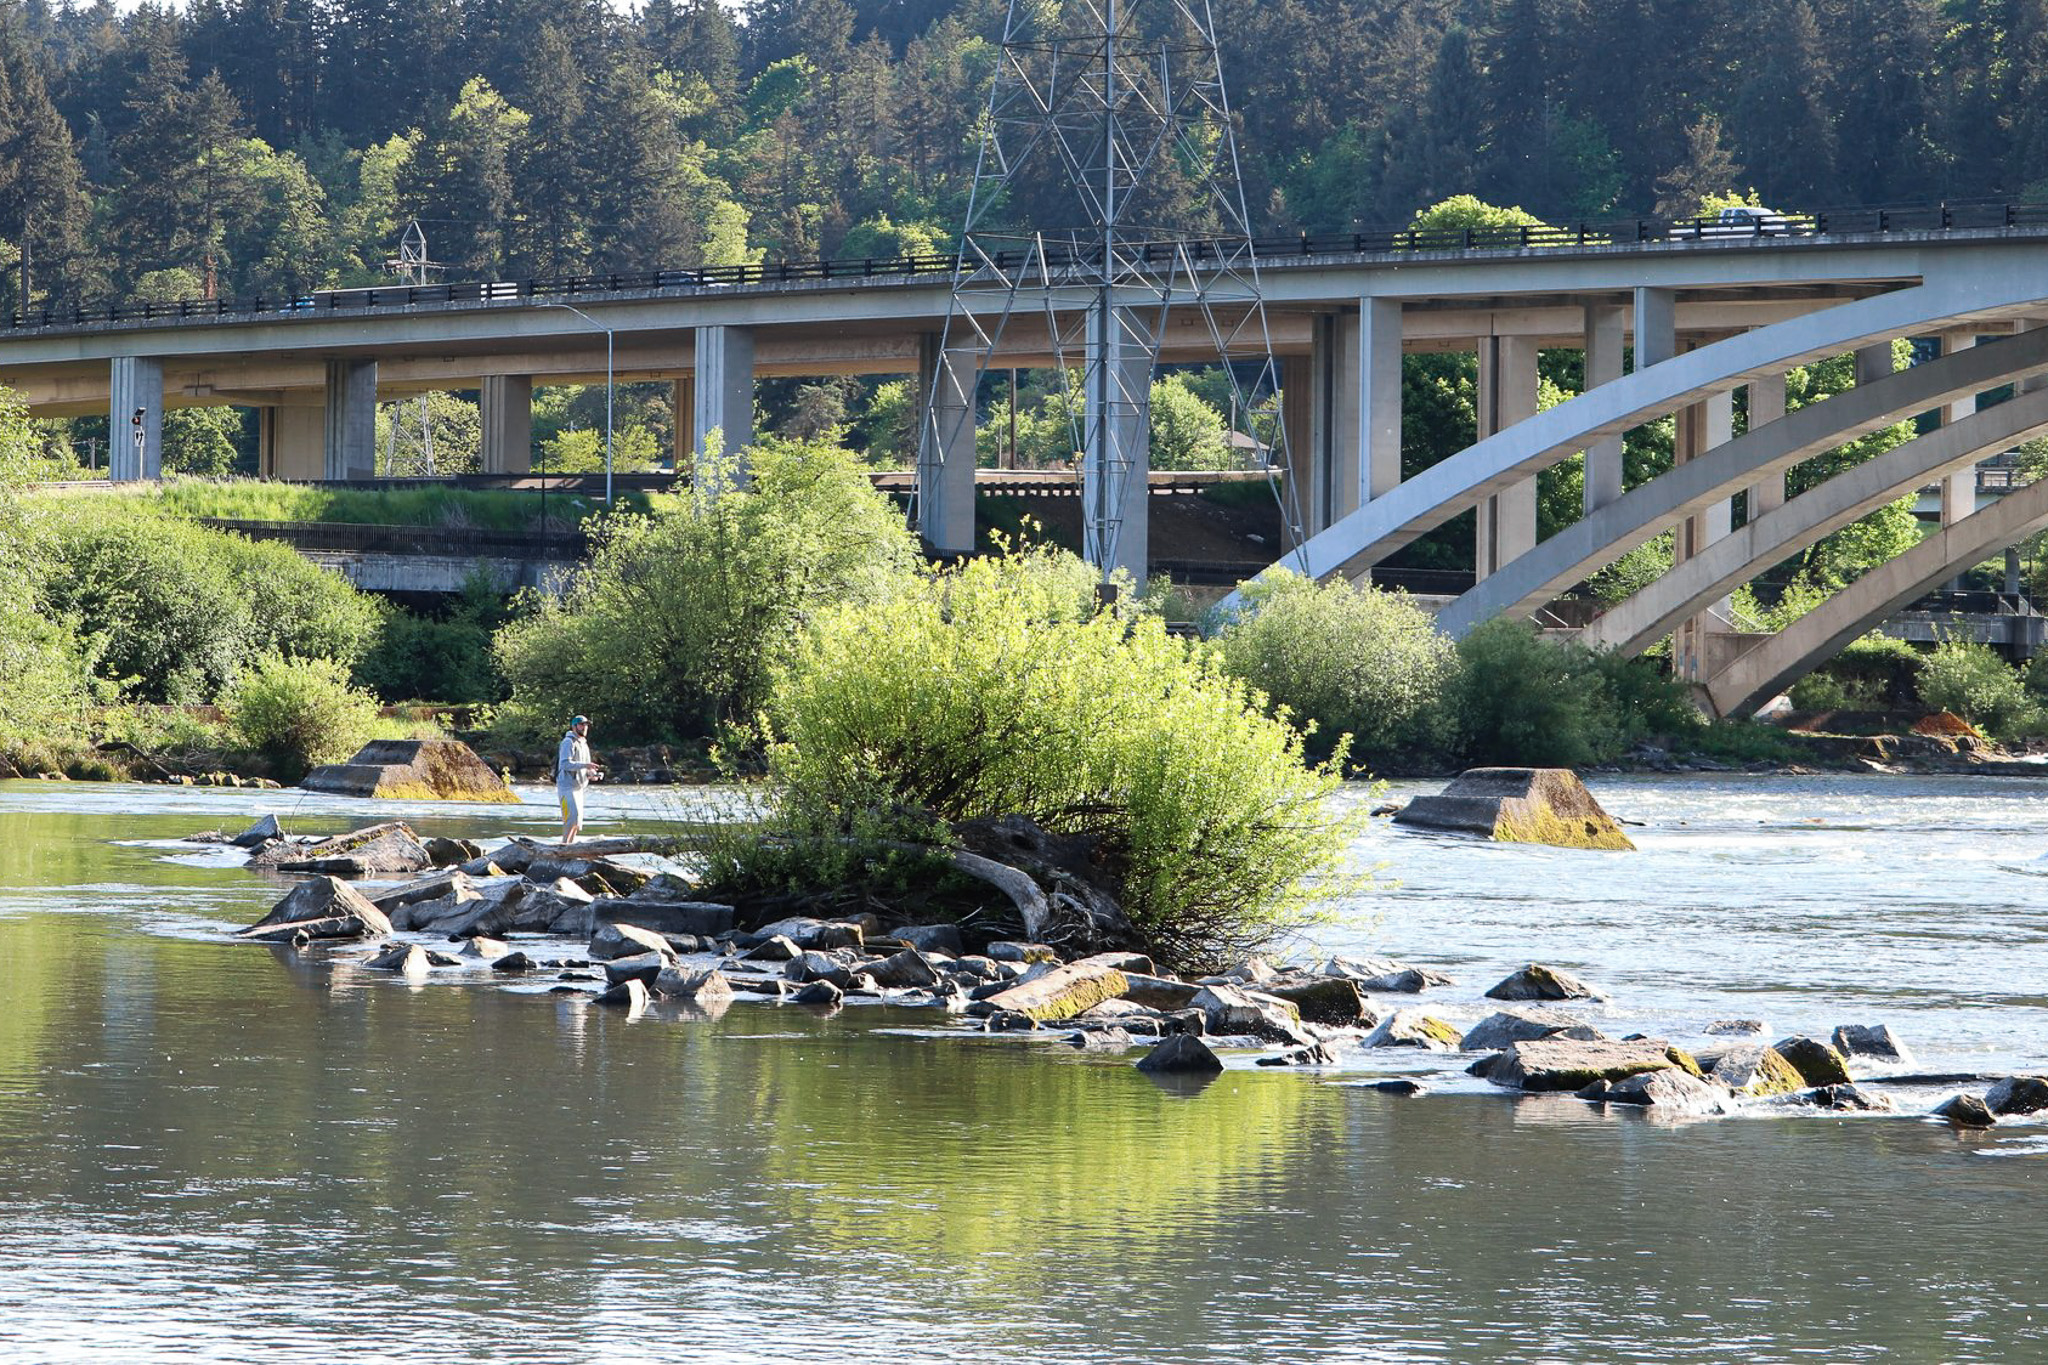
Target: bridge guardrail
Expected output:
[1196,251]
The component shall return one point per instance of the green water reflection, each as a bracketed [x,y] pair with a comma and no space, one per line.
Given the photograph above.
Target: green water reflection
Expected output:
[216,1151]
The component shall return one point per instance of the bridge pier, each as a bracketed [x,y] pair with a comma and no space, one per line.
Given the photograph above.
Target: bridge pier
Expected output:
[351,420]
[683,403]
[1766,405]
[724,404]
[1605,327]
[506,401]
[1507,395]
[945,447]
[291,442]
[135,390]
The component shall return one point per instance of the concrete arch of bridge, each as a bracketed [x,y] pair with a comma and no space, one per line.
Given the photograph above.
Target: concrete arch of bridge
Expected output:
[1977,290]
[1654,612]
[1773,665]
[1532,580]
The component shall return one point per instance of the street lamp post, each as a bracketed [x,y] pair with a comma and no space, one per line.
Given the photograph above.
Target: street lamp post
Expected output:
[607,389]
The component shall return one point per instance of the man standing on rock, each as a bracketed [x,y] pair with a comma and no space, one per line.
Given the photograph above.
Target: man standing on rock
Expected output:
[573,772]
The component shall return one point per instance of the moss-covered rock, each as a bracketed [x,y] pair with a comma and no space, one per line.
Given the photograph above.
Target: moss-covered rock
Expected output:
[1757,1071]
[1063,992]
[1816,1061]
[1519,805]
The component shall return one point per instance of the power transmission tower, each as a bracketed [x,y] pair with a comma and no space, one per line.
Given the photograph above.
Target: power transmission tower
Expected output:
[1107,196]
[413,265]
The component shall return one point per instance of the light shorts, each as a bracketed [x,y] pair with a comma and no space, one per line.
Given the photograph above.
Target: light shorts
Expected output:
[572,805]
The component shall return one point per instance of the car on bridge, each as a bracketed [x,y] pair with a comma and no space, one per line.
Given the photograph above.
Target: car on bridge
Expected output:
[1737,220]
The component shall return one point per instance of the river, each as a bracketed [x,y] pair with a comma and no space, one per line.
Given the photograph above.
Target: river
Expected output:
[212,1151]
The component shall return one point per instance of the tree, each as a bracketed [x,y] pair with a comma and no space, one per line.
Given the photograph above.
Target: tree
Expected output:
[207,442]
[461,177]
[1186,432]
[1707,170]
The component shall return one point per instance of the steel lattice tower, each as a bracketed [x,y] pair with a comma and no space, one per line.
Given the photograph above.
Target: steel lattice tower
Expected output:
[1107,195]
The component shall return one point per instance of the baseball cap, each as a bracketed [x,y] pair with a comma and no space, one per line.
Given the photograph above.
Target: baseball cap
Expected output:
[575,721]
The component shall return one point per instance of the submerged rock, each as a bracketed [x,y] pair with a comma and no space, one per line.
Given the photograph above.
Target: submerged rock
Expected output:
[1181,1052]
[412,770]
[1965,1111]
[1518,805]
[1736,1027]
[1538,982]
[1851,1097]
[1315,1054]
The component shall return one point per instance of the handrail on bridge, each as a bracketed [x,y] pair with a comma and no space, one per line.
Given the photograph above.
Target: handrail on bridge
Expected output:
[1943,217]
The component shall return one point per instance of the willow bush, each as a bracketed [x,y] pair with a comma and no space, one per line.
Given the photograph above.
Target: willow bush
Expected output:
[1350,661]
[675,626]
[984,691]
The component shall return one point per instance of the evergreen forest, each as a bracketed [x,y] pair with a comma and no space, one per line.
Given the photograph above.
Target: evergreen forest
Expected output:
[240,148]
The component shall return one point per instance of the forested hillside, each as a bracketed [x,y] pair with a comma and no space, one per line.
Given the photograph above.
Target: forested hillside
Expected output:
[247,147]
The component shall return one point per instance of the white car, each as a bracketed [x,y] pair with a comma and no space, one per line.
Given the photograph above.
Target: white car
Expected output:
[1740,220]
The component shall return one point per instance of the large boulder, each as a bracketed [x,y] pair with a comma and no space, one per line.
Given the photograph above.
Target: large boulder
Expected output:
[610,941]
[324,907]
[2018,1095]
[1518,805]
[1063,992]
[412,770]
[265,830]
[1158,992]
[1672,1090]
[1818,1062]
[1496,1031]
[1234,1010]
[1413,1028]
[1567,1064]
[806,932]
[1323,999]
[1756,1070]
[702,919]
[1538,982]
[1876,1041]
[1965,1111]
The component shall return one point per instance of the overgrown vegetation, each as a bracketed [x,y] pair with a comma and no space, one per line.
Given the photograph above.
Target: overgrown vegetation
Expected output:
[994,690]
[682,616]
[298,712]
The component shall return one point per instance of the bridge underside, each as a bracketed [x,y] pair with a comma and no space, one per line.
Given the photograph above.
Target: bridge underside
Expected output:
[1666,330]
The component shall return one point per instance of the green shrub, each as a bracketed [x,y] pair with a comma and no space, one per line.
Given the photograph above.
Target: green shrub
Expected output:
[1972,681]
[675,626]
[299,713]
[981,693]
[1350,661]
[178,610]
[1874,673]
[445,657]
[1523,702]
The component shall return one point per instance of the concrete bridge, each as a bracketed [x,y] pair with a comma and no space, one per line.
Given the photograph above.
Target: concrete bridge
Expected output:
[1702,316]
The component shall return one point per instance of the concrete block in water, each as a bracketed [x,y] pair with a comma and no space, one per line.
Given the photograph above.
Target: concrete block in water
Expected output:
[1518,805]
[412,769]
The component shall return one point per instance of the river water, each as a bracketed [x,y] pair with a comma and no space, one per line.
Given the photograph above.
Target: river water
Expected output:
[212,1151]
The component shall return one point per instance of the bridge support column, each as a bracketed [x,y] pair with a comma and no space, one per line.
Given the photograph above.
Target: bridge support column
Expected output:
[351,431]
[507,404]
[135,388]
[1766,405]
[1379,388]
[291,442]
[1605,326]
[1507,395]
[1656,327]
[683,403]
[1297,414]
[1958,490]
[1337,477]
[1115,520]
[945,448]
[724,402]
